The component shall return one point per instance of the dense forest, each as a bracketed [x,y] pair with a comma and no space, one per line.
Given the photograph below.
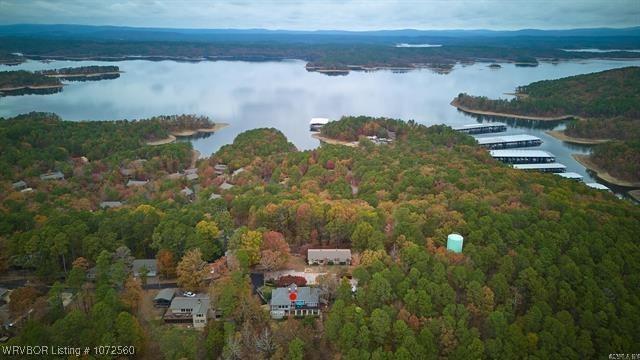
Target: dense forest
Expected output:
[548,266]
[326,53]
[21,78]
[608,103]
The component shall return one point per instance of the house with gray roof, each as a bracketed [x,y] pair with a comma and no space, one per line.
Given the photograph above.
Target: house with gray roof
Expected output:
[220,169]
[237,171]
[186,192]
[191,171]
[294,300]
[164,297]
[329,256]
[18,185]
[151,265]
[215,196]
[192,177]
[226,186]
[195,310]
[131,183]
[55,175]
[110,204]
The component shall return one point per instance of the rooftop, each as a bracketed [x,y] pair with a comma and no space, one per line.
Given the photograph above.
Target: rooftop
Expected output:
[329,254]
[477,126]
[137,182]
[186,191]
[280,296]
[539,166]
[150,264]
[110,204]
[165,294]
[56,175]
[521,153]
[506,139]
[19,184]
[597,186]
[198,304]
[570,175]
[318,121]
[226,186]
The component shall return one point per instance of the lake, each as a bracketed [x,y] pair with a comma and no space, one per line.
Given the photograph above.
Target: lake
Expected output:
[285,96]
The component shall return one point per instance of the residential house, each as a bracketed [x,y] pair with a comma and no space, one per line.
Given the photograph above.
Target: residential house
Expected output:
[131,183]
[192,177]
[187,192]
[19,185]
[164,297]
[215,196]
[329,256]
[237,171]
[110,204]
[226,186]
[55,175]
[191,171]
[220,169]
[293,300]
[195,310]
[151,265]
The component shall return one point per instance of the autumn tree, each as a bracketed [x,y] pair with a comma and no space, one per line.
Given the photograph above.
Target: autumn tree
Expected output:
[21,299]
[247,243]
[192,271]
[166,263]
[275,251]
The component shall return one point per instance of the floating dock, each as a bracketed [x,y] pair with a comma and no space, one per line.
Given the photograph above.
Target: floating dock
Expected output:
[570,176]
[481,128]
[509,141]
[545,167]
[523,156]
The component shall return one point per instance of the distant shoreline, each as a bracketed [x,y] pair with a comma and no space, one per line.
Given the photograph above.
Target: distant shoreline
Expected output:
[562,136]
[32,87]
[585,161]
[63,76]
[186,133]
[455,103]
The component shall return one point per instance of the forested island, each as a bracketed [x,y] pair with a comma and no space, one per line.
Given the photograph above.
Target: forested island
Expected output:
[83,73]
[23,82]
[606,106]
[548,265]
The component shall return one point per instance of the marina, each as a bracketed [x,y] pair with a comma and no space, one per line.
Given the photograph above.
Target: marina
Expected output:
[509,141]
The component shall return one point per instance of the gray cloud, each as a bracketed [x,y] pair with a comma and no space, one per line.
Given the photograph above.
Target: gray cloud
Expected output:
[328,14]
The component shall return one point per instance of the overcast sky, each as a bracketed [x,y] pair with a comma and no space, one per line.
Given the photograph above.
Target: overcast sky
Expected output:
[328,14]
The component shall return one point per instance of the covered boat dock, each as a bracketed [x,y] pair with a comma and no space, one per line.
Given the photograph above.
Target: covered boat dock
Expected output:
[509,141]
[544,167]
[523,156]
[481,128]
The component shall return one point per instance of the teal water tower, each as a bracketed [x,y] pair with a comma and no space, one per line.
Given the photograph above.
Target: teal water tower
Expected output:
[454,243]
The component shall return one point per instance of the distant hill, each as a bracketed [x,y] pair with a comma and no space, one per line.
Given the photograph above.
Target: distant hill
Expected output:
[323,36]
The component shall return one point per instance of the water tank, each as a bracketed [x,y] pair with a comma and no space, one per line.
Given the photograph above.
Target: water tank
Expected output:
[454,242]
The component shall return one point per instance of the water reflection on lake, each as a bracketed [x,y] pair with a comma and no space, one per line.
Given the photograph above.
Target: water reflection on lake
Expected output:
[285,96]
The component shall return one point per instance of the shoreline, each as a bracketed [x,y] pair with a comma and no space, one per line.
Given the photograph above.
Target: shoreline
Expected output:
[324,139]
[560,135]
[465,109]
[186,133]
[32,87]
[635,194]
[585,161]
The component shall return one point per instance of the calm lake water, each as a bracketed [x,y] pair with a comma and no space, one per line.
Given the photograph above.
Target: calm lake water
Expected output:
[285,96]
